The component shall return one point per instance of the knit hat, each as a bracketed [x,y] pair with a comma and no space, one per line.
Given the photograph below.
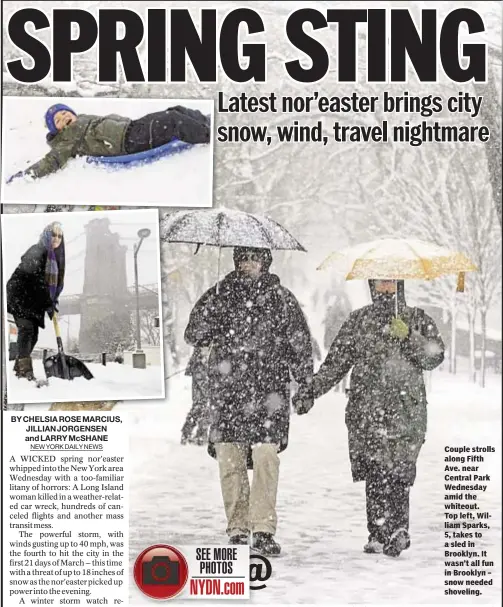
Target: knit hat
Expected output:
[51,112]
[262,255]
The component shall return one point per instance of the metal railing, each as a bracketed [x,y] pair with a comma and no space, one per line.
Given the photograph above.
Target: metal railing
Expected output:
[150,288]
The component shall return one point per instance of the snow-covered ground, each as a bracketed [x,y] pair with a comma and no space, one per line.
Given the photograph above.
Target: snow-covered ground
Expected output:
[110,382]
[162,183]
[175,499]
[321,511]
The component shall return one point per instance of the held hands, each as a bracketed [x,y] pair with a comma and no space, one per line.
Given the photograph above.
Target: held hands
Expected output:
[303,400]
[399,329]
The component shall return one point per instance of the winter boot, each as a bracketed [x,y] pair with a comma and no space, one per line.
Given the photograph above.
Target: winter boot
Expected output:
[239,539]
[373,546]
[399,541]
[25,369]
[264,544]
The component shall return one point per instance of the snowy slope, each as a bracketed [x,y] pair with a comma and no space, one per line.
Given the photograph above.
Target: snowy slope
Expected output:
[110,382]
[184,179]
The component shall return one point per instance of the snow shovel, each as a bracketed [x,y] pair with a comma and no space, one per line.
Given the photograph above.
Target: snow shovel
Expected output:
[62,366]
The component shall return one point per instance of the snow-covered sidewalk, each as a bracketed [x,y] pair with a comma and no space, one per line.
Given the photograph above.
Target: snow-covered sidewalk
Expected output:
[110,382]
[175,499]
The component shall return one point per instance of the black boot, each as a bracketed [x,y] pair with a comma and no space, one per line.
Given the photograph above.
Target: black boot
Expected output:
[398,542]
[373,546]
[25,369]
[264,544]
[239,539]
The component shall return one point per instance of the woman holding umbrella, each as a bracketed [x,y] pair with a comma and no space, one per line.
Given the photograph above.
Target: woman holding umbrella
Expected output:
[386,410]
[33,290]
[387,346]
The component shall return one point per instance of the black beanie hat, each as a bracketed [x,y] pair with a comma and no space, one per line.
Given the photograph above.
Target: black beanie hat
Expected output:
[262,255]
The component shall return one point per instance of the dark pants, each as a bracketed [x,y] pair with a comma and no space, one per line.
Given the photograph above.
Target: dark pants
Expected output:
[198,416]
[387,504]
[27,336]
[154,130]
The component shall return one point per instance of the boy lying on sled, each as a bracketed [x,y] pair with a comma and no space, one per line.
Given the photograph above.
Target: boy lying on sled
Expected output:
[71,135]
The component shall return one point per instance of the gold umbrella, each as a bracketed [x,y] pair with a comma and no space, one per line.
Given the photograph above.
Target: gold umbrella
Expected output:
[400,259]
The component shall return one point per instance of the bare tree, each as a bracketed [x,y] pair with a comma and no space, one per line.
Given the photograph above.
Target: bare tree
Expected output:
[490,113]
[149,328]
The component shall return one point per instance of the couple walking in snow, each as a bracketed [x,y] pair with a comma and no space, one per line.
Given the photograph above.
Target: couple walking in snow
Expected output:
[255,339]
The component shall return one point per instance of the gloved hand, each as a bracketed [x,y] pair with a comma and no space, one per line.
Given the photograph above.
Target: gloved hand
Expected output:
[52,310]
[15,176]
[303,400]
[399,329]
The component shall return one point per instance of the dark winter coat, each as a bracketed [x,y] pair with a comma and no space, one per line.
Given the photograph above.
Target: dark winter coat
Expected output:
[386,411]
[88,136]
[198,362]
[28,294]
[259,338]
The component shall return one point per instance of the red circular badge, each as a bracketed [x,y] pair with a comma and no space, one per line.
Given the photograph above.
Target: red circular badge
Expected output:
[161,571]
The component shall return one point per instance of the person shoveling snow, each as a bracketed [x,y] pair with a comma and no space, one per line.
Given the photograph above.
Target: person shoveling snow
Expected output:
[71,135]
[33,290]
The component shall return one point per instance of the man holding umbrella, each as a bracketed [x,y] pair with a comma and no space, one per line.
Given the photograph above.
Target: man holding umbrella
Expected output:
[257,338]
[387,345]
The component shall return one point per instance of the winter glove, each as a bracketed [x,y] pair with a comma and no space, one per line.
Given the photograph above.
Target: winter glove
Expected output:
[303,401]
[53,309]
[15,176]
[417,341]
[398,329]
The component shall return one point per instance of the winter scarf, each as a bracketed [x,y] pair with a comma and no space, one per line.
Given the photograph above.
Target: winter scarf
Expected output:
[54,266]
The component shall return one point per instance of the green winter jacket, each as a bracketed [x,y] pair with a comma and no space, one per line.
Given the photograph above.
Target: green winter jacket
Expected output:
[87,136]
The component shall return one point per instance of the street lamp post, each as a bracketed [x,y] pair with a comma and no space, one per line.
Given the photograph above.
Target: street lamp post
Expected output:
[139,358]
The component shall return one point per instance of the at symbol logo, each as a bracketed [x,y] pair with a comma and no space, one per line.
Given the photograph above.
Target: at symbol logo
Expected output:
[260,570]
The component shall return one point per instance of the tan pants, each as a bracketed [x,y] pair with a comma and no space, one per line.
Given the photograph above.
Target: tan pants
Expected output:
[249,509]
[102,405]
